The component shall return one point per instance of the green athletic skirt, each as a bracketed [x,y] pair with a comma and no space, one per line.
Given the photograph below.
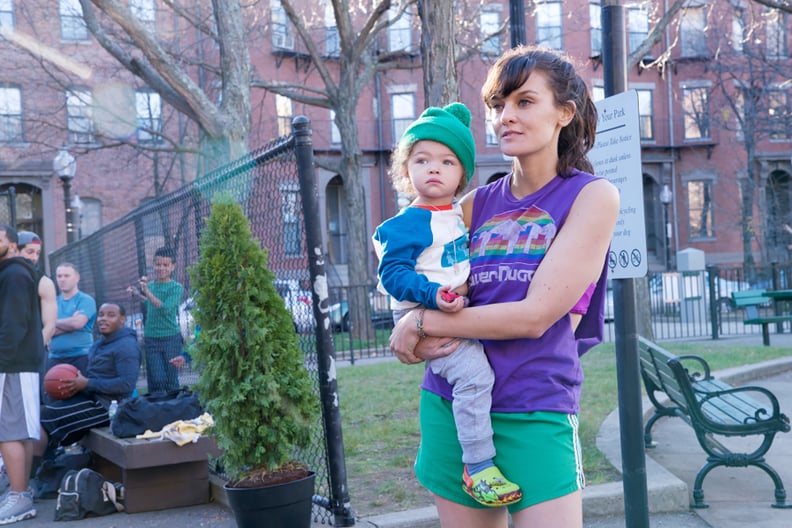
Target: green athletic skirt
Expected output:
[540,451]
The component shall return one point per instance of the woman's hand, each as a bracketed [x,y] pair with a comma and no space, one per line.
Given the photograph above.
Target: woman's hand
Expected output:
[410,349]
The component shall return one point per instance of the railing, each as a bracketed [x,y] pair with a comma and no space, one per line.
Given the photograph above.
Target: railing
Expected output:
[682,305]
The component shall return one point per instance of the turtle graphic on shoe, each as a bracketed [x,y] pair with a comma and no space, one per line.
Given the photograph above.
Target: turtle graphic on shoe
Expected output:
[490,488]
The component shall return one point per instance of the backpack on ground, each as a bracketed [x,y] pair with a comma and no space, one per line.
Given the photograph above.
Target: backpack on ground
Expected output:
[84,493]
[50,473]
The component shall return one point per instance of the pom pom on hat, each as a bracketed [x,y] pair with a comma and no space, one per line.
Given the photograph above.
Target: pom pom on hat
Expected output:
[450,126]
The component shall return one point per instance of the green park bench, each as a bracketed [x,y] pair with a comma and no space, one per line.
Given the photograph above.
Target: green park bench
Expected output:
[750,301]
[714,409]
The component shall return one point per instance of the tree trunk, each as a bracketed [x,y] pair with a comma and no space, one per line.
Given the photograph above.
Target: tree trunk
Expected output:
[357,225]
[438,52]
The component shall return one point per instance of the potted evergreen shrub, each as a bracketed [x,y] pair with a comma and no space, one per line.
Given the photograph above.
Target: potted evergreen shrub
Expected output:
[252,378]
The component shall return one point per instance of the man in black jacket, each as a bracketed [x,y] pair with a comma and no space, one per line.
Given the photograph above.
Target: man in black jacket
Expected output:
[21,354]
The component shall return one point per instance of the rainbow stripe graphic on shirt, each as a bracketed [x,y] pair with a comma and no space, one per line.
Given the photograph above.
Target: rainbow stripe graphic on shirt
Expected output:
[523,235]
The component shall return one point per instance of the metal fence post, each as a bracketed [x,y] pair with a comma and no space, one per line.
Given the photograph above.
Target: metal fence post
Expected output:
[339,503]
[715,302]
[776,302]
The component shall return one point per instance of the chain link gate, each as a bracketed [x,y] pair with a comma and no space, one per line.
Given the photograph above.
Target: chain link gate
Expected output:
[276,186]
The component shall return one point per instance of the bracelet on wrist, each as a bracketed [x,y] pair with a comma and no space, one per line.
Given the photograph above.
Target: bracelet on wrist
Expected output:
[419,323]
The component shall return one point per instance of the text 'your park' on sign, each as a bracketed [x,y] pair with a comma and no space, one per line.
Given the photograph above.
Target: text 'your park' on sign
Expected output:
[617,156]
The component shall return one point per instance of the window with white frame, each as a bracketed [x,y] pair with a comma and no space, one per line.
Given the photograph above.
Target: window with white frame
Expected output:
[692,31]
[778,111]
[490,24]
[637,26]
[281,33]
[775,26]
[148,111]
[145,12]
[646,125]
[739,117]
[403,112]
[79,116]
[290,215]
[700,209]
[399,31]
[695,108]
[595,20]
[548,24]
[335,133]
[7,13]
[737,37]
[90,215]
[284,109]
[335,202]
[72,23]
[10,114]
[332,39]
[492,138]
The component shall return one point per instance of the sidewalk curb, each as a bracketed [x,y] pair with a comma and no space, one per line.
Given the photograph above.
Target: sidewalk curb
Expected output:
[666,493]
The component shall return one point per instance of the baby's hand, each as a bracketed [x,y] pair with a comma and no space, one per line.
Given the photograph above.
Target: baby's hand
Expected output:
[448,301]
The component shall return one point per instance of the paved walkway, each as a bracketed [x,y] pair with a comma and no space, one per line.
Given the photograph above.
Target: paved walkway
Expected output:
[737,497]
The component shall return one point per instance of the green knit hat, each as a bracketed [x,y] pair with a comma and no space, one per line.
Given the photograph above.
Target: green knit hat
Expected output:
[450,126]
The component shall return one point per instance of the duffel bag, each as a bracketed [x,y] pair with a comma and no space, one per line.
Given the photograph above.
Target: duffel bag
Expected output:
[154,411]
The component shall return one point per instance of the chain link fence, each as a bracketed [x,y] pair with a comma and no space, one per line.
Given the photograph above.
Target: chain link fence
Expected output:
[267,183]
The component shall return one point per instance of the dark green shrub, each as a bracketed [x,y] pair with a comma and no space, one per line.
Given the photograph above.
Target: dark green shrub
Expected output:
[252,377]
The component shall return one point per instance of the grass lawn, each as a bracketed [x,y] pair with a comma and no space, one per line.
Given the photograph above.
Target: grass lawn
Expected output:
[379,411]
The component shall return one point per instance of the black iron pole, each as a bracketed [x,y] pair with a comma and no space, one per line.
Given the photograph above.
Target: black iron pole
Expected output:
[69,211]
[12,206]
[517,22]
[338,503]
[715,302]
[667,228]
[636,504]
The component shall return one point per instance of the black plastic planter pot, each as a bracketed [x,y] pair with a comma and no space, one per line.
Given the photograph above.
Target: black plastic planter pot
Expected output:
[281,506]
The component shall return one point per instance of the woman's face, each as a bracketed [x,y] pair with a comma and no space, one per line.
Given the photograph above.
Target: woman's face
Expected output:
[527,121]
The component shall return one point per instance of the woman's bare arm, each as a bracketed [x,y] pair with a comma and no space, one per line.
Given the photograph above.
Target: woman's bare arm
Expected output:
[572,263]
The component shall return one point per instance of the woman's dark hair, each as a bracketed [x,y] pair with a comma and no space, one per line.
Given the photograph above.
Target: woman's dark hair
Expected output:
[511,71]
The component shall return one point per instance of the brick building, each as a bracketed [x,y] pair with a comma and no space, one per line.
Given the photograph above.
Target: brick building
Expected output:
[714,96]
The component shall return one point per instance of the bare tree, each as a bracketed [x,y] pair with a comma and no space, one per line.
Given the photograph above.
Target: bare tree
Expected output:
[749,91]
[783,5]
[226,124]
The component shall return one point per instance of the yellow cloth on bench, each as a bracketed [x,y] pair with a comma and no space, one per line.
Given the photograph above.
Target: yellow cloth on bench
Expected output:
[181,432]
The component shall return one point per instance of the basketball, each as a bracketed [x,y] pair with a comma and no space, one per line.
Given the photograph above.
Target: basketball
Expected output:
[54,375]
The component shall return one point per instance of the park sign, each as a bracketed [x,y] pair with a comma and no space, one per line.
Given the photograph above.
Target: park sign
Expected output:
[617,156]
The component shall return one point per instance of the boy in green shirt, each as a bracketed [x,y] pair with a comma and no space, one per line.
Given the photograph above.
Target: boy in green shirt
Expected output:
[162,336]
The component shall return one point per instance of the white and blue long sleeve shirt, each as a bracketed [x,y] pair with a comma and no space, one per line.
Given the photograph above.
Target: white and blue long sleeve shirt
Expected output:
[420,250]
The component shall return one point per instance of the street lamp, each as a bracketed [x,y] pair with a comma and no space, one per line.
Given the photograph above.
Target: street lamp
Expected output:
[665,198]
[64,166]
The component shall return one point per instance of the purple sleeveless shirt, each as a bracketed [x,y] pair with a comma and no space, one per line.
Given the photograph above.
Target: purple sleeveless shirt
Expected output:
[509,238]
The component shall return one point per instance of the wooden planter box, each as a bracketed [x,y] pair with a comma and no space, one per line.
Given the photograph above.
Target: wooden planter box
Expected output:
[156,474]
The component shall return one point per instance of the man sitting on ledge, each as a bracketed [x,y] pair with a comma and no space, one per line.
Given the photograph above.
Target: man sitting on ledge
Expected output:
[112,373]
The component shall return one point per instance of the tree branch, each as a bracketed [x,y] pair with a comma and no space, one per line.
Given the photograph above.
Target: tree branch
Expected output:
[159,61]
[655,35]
[783,5]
